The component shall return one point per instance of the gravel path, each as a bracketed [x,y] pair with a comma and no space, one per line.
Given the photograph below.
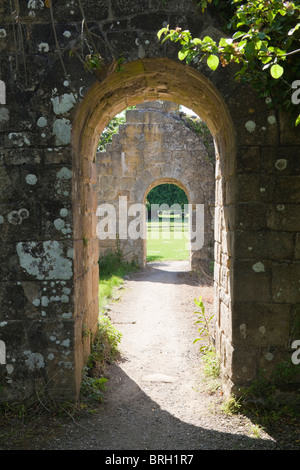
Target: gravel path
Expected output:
[156,395]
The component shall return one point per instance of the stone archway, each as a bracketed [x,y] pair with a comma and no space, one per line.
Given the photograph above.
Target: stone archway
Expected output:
[147,80]
[50,125]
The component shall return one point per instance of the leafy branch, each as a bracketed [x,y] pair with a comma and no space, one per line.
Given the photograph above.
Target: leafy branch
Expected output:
[264,36]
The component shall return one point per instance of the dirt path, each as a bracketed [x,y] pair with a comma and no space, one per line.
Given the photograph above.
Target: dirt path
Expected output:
[156,398]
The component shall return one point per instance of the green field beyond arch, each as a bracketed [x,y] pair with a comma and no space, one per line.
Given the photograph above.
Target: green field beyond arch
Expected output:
[167,229]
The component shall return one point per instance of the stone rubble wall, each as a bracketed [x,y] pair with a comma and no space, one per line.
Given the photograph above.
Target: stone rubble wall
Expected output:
[155,147]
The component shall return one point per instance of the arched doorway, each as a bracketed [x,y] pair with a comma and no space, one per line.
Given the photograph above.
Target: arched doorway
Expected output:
[168,234]
[146,79]
[155,144]
[48,219]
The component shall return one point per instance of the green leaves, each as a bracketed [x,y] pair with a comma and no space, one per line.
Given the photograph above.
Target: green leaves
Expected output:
[167,194]
[161,32]
[213,61]
[264,36]
[182,54]
[111,129]
[93,62]
[276,71]
[204,328]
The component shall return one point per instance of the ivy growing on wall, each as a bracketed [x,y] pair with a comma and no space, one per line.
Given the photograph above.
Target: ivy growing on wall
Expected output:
[201,129]
[111,129]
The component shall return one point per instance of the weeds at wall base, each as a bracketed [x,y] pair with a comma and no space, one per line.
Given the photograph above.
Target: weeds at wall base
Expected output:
[39,404]
[265,403]
[269,401]
[105,350]
[266,399]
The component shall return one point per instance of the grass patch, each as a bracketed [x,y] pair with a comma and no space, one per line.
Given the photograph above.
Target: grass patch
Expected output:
[104,350]
[211,363]
[112,269]
[107,288]
[167,239]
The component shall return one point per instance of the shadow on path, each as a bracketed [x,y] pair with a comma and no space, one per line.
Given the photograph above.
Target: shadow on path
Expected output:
[142,424]
[130,420]
[151,403]
[170,272]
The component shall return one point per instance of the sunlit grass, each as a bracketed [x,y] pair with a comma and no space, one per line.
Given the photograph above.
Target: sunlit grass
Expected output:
[107,287]
[112,270]
[167,239]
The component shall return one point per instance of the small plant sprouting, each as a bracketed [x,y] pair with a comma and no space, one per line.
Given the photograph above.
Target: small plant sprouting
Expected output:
[93,62]
[120,62]
[204,328]
[103,352]
[231,406]
[92,387]
[210,358]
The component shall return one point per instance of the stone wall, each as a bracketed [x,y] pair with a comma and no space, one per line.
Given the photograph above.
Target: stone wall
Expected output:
[156,147]
[49,129]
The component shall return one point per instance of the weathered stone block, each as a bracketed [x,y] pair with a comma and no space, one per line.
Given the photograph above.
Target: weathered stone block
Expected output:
[22,156]
[283,217]
[21,220]
[248,159]
[55,184]
[259,325]
[247,216]
[80,301]
[225,321]
[286,282]
[289,133]
[250,188]
[41,261]
[251,281]
[263,245]
[19,301]
[287,190]
[281,160]
[10,185]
